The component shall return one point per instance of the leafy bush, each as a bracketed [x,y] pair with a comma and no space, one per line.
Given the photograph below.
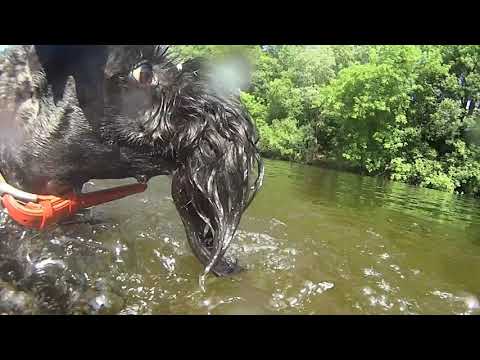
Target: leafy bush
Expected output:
[411,113]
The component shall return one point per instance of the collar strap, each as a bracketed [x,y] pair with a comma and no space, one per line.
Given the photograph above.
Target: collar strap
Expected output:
[39,211]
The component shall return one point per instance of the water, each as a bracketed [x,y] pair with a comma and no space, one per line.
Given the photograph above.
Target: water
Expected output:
[314,241]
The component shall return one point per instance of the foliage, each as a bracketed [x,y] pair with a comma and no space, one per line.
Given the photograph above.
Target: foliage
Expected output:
[411,113]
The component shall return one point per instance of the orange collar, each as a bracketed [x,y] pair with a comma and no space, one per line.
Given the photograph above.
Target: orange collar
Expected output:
[39,211]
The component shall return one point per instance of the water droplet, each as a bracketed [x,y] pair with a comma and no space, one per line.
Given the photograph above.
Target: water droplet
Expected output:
[371,272]
[367,291]
[472,302]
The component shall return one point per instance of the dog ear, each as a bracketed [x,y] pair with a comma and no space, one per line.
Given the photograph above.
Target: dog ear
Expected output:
[51,62]
[85,63]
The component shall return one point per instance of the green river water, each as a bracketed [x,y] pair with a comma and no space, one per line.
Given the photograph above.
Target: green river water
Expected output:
[314,241]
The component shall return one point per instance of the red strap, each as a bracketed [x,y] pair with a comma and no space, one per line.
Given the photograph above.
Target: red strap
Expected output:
[51,209]
[47,213]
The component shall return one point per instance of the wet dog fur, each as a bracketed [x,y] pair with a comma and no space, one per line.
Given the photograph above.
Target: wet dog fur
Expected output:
[69,114]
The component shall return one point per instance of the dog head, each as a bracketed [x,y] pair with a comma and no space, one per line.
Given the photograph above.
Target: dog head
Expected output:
[166,118]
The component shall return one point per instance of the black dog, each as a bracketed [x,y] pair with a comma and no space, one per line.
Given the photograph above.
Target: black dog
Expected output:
[69,114]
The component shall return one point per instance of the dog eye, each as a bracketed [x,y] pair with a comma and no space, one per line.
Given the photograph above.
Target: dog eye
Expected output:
[144,75]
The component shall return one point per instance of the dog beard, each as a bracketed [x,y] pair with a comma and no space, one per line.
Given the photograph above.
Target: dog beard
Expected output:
[214,185]
[212,141]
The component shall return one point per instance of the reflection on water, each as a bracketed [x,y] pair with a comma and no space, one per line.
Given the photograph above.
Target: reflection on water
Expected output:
[314,241]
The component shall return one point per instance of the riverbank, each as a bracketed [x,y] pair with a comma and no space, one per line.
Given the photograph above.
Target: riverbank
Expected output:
[324,163]
[346,166]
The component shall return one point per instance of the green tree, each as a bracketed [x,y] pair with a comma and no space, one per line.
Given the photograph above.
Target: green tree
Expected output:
[408,112]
